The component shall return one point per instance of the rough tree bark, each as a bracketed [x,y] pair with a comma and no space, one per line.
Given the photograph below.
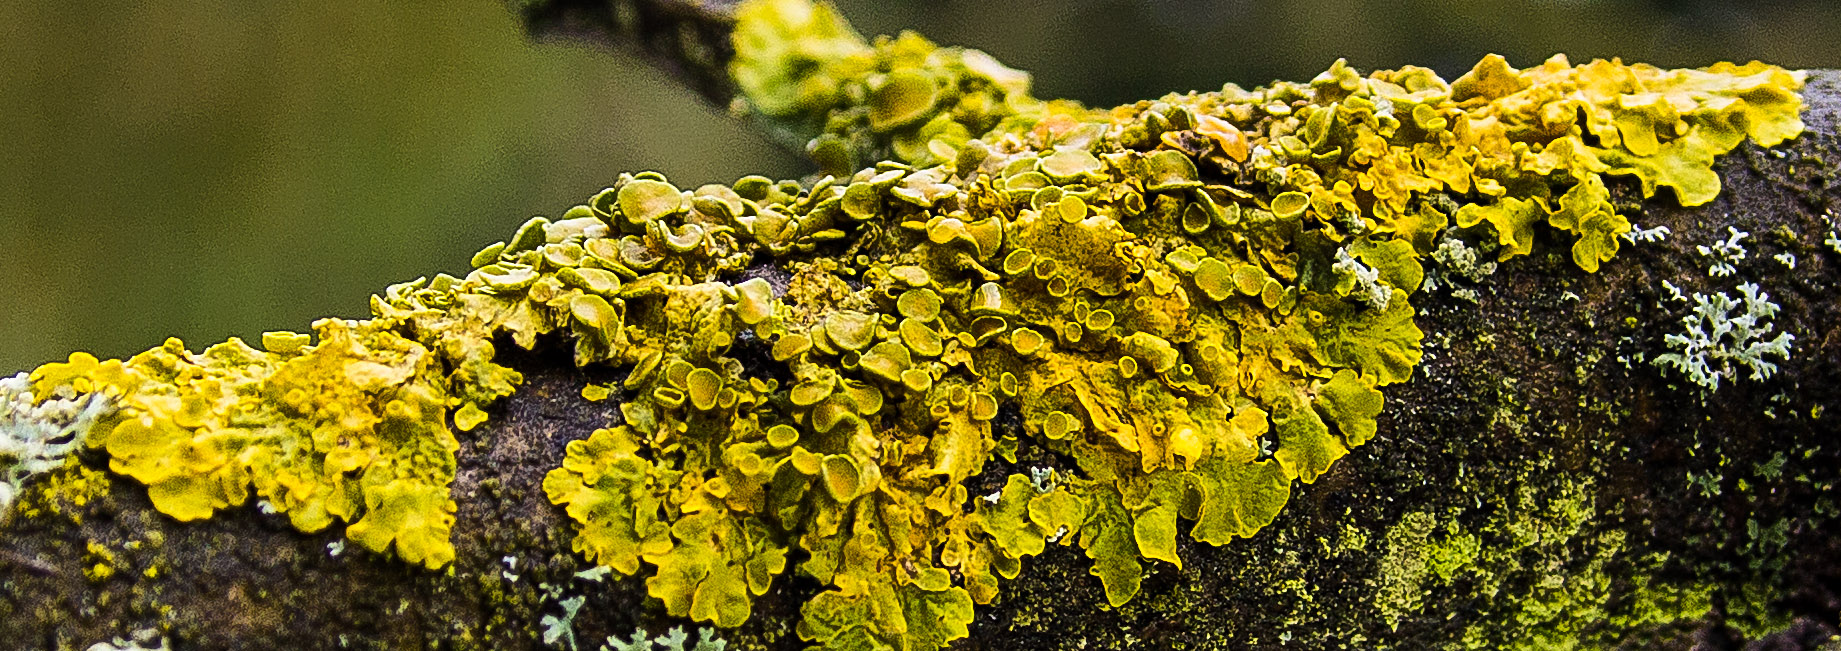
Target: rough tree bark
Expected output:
[1538,482]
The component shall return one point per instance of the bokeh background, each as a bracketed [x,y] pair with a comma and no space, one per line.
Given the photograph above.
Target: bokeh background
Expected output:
[207,170]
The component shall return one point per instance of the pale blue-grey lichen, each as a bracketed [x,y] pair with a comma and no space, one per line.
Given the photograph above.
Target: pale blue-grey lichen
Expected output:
[1724,334]
[1725,253]
[1639,234]
[562,629]
[1457,261]
[672,640]
[141,637]
[1367,287]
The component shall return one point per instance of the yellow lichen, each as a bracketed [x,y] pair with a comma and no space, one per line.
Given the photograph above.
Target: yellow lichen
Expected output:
[354,428]
[99,562]
[1198,301]
[803,69]
[1229,361]
[863,455]
[65,491]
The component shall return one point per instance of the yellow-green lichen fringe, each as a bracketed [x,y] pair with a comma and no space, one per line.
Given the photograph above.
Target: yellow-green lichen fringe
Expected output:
[817,83]
[1159,290]
[1197,300]
[354,426]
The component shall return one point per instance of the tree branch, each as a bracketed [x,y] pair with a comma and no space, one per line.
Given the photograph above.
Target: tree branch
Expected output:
[1539,481]
[689,39]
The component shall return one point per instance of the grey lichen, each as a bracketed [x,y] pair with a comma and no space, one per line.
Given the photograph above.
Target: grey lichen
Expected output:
[1454,261]
[562,628]
[142,637]
[1726,253]
[1367,288]
[1461,260]
[1724,334]
[1639,234]
[672,640]
[36,438]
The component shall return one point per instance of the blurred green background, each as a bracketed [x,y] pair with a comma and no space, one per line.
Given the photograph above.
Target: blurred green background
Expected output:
[207,170]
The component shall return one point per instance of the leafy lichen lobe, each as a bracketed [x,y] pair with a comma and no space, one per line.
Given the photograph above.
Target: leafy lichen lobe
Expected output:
[1195,302]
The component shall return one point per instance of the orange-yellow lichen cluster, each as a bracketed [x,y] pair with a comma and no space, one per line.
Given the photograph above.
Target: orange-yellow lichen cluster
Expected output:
[1156,356]
[354,428]
[1519,147]
[1195,301]
[800,66]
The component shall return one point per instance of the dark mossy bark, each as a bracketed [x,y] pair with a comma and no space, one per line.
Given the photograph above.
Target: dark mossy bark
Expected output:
[1539,482]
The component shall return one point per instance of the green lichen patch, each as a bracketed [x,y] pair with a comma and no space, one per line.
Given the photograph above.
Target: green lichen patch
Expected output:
[1545,571]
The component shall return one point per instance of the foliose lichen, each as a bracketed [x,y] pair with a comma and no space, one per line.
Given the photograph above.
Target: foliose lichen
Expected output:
[1725,253]
[1051,267]
[354,428]
[1723,334]
[149,637]
[37,433]
[814,81]
[1195,302]
[673,640]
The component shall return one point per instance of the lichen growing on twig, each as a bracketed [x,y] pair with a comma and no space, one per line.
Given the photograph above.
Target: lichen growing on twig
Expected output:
[38,432]
[1196,301]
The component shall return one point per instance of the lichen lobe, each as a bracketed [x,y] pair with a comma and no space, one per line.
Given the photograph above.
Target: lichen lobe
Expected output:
[1197,300]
